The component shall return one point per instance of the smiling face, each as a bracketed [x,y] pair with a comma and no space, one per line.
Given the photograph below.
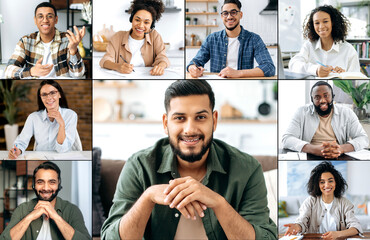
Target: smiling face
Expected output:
[45,21]
[322,24]
[322,99]
[46,184]
[50,97]
[141,23]
[189,125]
[231,22]
[327,184]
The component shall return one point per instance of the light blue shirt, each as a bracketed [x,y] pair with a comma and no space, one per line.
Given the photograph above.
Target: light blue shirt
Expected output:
[39,125]
[345,124]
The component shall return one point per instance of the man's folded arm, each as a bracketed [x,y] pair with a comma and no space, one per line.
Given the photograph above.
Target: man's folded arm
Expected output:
[253,207]
[263,57]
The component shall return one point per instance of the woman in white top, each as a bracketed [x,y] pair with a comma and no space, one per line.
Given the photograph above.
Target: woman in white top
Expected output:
[326,211]
[325,30]
[53,125]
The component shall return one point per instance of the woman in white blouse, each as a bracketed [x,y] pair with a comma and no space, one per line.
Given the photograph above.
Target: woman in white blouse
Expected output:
[326,211]
[326,49]
[53,125]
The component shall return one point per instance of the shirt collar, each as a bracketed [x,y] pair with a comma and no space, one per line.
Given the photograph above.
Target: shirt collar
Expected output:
[56,39]
[44,114]
[242,35]
[169,162]
[334,47]
[126,36]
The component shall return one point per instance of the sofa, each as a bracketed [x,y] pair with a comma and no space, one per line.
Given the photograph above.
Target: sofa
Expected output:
[294,202]
[106,173]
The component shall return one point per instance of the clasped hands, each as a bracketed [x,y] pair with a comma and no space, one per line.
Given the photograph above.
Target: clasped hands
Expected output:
[43,207]
[187,195]
[331,149]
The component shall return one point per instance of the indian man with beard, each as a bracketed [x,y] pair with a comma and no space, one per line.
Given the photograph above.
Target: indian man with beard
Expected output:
[324,129]
[47,216]
[232,51]
[189,185]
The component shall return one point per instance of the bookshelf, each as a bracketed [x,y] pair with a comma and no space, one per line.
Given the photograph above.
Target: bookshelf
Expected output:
[362,47]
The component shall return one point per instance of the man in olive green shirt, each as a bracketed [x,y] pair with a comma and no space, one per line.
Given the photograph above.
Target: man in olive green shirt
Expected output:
[190,180]
[47,216]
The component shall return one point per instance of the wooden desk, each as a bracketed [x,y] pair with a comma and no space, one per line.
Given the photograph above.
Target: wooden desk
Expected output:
[314,157]
[208,74]
[50,155]
[314,236]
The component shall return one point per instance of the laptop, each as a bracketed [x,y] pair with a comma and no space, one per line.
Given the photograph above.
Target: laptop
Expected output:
[286,74]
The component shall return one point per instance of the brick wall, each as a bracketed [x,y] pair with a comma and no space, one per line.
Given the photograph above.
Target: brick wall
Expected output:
[79,97]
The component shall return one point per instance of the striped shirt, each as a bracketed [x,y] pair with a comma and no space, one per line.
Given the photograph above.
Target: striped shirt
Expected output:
[30,49]
[251,47]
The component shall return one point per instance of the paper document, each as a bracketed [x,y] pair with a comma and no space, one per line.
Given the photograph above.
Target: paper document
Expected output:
[292,237]
[293,156]
[69,156]
[360,155]
[210,76]
[144,73]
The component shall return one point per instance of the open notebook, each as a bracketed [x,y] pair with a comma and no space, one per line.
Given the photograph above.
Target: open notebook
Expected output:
[345,75]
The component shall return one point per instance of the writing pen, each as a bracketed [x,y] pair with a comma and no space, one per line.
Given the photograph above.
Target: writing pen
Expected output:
[196,65]
[126,62]
[323,65]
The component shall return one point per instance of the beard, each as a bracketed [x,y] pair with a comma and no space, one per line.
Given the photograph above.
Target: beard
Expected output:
[326,112]
[192,156]
[231,28]
[51,198]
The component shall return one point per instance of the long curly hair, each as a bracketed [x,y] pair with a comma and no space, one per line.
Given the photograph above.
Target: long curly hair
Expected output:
[155,7]
[313,187]
[340,24]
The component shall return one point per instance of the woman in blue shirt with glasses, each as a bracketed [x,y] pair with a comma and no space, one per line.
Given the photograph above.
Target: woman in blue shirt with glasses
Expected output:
[53,125]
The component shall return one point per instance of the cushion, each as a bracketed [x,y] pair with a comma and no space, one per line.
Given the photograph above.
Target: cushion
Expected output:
[110,171]
[98,211]
[271,186]
[282,209]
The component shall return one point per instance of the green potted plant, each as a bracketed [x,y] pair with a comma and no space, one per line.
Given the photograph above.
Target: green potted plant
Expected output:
[214,8]
[360,95]
[187,20]
[275,90]
[11,94]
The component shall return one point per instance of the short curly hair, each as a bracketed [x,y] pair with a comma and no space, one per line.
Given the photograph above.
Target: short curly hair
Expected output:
[155,7]
[313,187]
[340,24]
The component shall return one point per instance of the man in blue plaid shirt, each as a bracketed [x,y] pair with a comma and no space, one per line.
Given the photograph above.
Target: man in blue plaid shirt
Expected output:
[232,50]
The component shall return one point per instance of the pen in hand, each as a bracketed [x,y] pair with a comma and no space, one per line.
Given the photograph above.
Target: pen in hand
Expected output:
[323,65]
[126,62]
[196,65]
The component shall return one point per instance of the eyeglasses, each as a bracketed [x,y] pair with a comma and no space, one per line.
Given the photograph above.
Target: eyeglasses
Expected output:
[48,16]
[232,13]
[52,94]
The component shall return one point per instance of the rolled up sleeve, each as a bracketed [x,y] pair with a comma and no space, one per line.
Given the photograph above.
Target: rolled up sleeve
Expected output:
[70,132]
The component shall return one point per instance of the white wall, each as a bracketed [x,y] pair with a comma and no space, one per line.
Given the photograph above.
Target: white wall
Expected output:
[112,12]
[292,95]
